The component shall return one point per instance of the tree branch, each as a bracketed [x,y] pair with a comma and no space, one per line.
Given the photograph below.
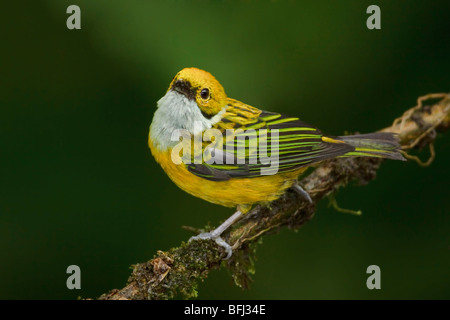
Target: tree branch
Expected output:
[176,272]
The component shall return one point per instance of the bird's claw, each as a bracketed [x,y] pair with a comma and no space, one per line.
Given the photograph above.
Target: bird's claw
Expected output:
[302,192]
[209,236]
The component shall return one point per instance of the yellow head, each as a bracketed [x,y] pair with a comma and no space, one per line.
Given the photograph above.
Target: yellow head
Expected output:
[201,87]
[195,101]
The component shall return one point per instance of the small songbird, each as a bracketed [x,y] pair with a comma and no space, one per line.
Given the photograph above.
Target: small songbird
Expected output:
[240,176]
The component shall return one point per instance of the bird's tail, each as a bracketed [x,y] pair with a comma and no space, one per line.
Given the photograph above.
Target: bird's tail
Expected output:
[380,145]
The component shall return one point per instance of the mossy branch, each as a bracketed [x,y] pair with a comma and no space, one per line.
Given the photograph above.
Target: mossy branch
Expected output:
[176,272]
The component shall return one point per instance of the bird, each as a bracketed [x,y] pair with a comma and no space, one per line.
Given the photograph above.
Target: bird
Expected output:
[196,103]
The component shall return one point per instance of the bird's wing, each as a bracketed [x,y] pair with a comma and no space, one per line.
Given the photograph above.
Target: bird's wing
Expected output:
[263,143]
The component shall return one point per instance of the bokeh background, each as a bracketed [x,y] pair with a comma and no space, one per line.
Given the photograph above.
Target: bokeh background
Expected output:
[78,184]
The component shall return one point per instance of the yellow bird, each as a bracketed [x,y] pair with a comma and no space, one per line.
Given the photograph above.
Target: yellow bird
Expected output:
[231,171]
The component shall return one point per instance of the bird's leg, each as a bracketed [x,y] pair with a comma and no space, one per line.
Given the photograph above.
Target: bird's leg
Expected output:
[215,234]
[301,191]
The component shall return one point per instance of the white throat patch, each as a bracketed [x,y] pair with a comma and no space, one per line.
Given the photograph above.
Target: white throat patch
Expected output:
[175,111]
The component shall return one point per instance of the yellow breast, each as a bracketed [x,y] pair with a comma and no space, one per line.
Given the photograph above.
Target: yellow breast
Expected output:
[230,193]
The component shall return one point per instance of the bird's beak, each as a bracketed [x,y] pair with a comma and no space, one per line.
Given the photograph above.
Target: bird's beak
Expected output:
[184,87]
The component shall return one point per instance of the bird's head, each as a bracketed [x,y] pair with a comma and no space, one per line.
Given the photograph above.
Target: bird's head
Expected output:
[195,101]
[200,86]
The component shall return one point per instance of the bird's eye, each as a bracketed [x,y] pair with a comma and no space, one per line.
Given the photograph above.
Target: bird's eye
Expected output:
[204,94]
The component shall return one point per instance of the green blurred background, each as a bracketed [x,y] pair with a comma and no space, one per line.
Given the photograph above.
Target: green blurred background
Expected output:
[78,184]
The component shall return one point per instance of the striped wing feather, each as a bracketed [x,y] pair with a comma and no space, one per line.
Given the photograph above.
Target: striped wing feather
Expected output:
[299,144]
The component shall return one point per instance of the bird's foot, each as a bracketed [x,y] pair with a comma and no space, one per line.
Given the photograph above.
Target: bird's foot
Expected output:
[217,239]
[215,234]
[302,192]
